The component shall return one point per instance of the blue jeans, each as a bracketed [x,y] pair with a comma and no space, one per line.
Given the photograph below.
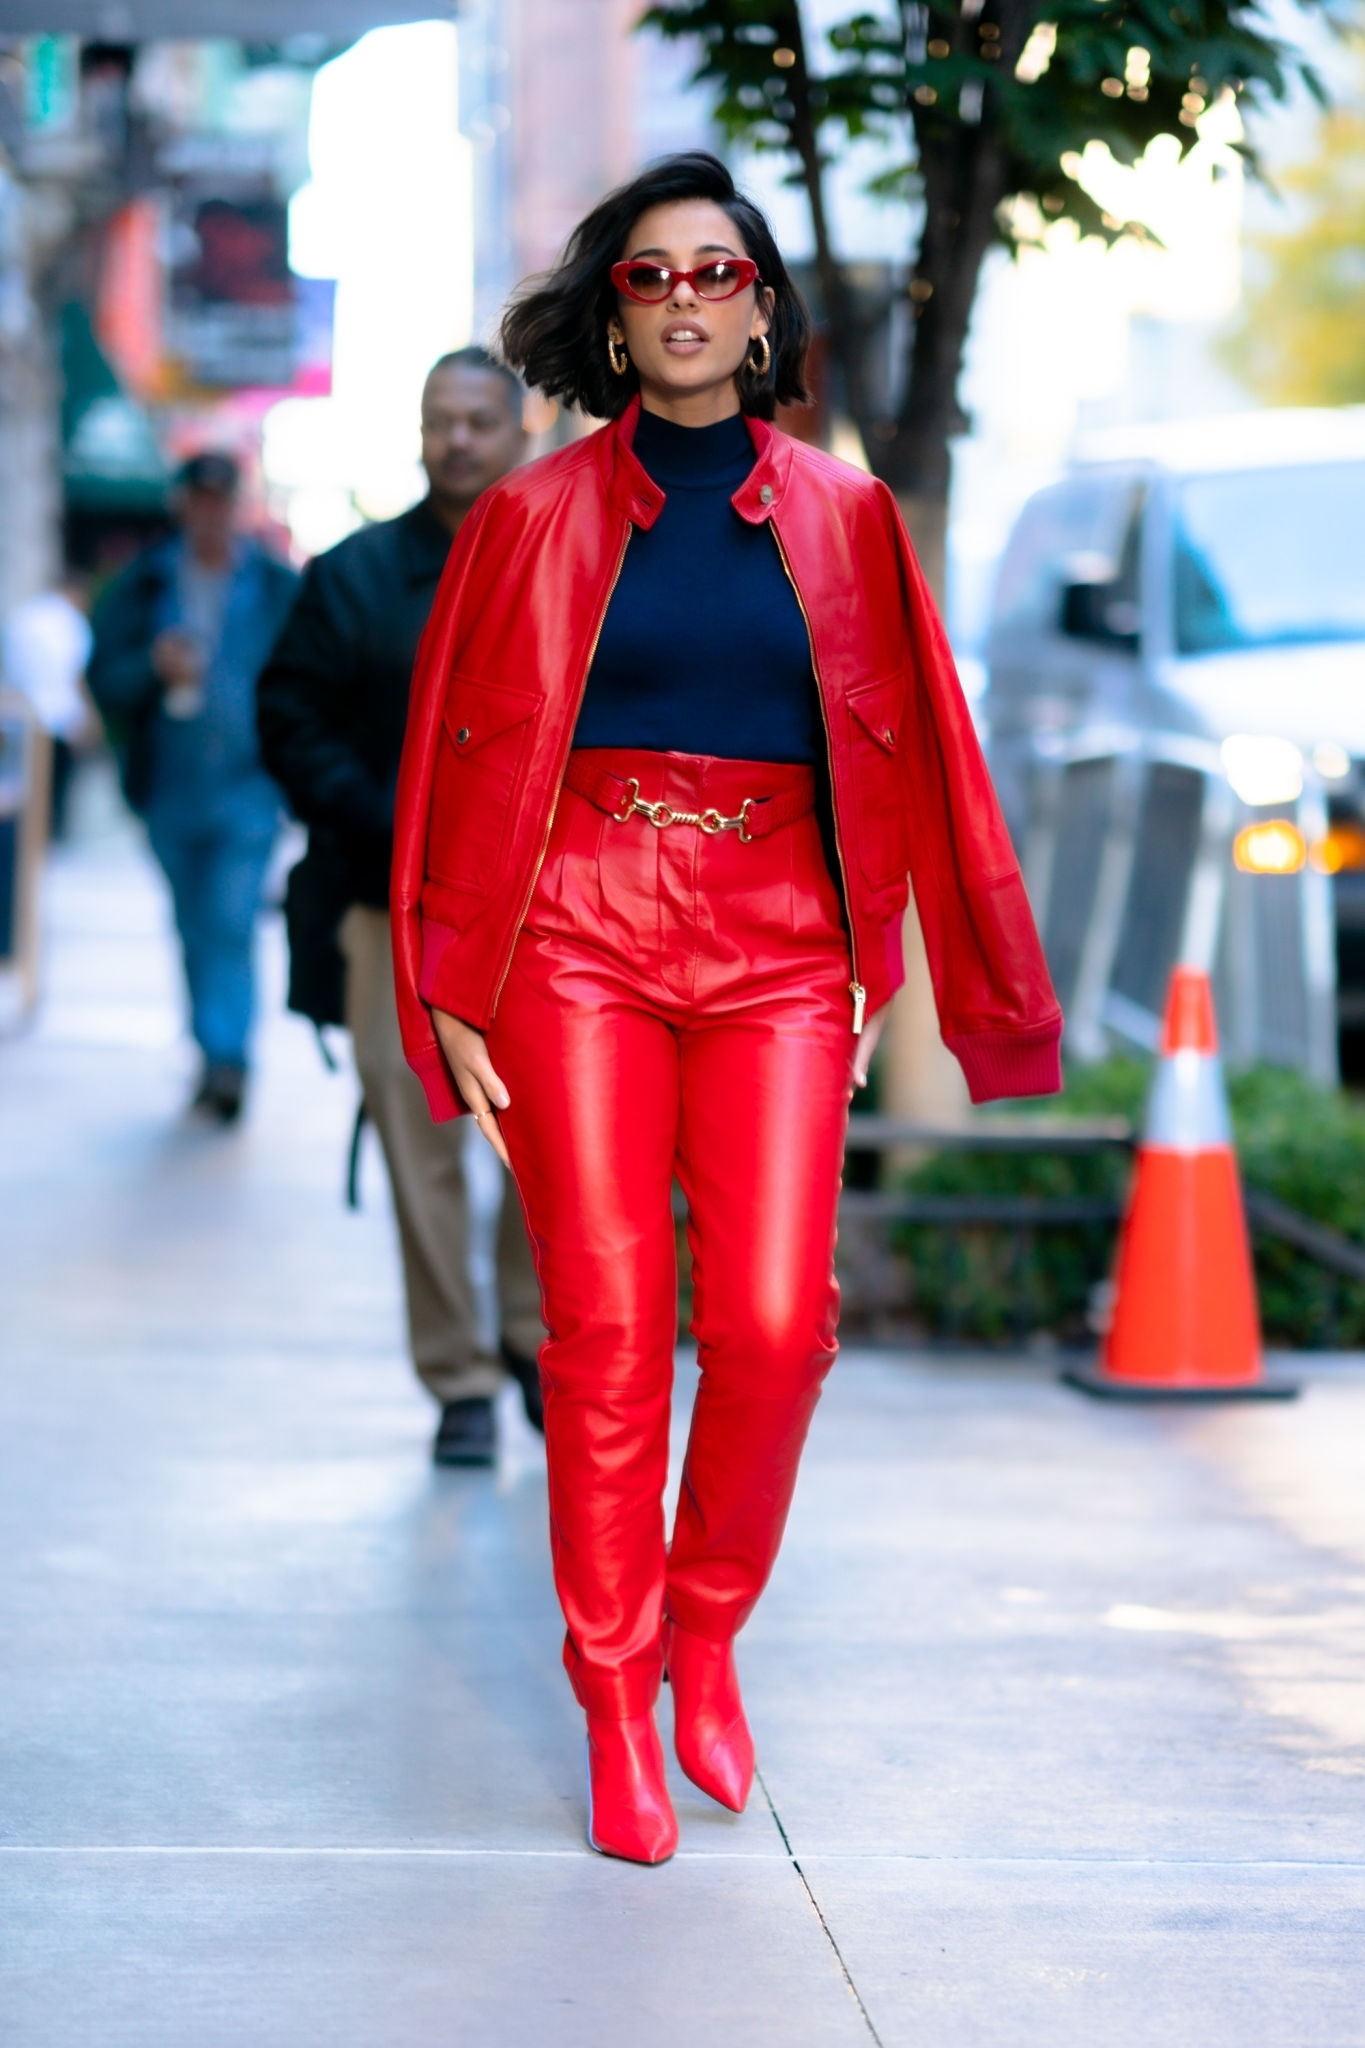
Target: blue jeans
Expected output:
[216,866]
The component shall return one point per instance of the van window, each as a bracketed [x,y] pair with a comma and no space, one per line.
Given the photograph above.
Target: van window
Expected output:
[1074,532]
[1270,558]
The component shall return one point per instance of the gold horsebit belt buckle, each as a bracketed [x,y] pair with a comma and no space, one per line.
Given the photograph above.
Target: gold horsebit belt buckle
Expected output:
[662,814]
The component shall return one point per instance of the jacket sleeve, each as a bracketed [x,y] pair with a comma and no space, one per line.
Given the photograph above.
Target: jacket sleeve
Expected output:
[998,1012]
[426,707]
[299,698]
[122,680]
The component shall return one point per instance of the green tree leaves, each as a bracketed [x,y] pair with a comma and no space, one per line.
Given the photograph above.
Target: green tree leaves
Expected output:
[1302,341]
[978,103]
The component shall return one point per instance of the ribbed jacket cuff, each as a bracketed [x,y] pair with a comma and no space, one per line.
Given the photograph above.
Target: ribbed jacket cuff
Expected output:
[434,1075]
[1003,1064]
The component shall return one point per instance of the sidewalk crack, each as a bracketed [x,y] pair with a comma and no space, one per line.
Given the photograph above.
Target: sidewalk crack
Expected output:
[844,1970]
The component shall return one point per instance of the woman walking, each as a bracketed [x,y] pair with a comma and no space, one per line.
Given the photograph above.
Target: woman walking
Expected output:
[683,720]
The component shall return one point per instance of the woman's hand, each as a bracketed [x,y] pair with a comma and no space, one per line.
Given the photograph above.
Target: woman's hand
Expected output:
[480,1089]
[867,1045]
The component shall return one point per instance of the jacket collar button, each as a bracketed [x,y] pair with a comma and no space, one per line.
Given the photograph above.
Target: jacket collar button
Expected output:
[765,496]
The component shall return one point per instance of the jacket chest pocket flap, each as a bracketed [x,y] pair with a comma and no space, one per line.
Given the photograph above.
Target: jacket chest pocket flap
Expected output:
[485,733]
[875,713]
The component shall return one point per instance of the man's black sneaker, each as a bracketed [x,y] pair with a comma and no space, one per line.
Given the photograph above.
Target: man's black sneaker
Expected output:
[465,1435]
[526,1373]
[221,1091]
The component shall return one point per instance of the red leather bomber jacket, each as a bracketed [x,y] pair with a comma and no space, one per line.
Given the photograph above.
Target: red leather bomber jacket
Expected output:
[498,681]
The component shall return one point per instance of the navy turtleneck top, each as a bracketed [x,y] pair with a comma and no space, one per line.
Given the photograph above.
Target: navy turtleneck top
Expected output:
[703,649]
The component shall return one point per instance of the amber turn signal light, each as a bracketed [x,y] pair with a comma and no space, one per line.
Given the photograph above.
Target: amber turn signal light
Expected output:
[1274,848]
[1340,852]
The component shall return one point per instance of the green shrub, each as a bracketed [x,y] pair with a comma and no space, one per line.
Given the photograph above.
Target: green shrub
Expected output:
[1299,1142]
[1306,1146]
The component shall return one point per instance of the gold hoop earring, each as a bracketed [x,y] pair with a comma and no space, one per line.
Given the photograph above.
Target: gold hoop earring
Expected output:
[764,363]
[620,363]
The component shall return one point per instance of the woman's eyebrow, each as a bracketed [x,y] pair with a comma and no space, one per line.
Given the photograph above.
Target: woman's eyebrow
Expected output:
[705,249]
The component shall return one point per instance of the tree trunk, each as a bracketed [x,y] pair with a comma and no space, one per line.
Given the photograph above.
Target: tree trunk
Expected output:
[963,167]
[963,171]
[847,333]
[964,183]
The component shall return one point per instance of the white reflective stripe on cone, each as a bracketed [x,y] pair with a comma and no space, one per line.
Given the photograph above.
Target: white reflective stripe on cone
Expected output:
[1188,1108]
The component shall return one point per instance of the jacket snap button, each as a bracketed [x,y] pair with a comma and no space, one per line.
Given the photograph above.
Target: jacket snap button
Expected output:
[765,496]
[462,735]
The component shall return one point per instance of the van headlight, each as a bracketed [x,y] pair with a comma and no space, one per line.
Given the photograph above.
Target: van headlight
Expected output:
[1331,760]
[1263,770]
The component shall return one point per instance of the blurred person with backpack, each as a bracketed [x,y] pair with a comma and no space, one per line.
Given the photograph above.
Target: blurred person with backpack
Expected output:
[332,709]
[179,638]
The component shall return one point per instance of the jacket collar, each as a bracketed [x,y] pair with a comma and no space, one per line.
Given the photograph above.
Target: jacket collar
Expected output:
[632,491]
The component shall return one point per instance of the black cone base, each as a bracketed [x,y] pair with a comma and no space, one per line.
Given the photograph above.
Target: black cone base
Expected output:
[1105,1387]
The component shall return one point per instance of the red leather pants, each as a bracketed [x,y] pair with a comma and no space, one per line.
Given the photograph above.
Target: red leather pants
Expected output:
[676,1004]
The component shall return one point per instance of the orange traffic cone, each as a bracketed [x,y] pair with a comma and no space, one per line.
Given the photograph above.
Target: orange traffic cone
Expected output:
[1185,1324]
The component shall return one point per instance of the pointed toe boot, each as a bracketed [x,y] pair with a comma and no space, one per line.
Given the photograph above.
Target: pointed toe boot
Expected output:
[710,1732]
[629,1811]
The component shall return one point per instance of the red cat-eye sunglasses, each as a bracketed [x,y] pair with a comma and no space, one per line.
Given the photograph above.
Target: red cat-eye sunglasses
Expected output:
[651,283]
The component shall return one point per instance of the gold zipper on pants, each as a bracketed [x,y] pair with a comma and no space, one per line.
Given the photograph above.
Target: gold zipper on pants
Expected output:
[855,987]
[559,779]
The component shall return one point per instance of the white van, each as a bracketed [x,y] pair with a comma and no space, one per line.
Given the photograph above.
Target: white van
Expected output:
[1176,710]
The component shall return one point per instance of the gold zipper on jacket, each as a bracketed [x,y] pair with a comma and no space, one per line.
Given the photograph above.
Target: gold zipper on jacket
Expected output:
[855,987]
[559,779]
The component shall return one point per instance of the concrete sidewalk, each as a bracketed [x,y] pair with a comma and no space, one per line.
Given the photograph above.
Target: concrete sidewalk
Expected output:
[1060,1708]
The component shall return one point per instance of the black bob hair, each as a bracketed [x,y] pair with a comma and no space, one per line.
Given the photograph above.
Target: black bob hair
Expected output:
[555,330]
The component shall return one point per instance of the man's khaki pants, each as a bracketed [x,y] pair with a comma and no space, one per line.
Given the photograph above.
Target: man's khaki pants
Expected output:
[426,1169]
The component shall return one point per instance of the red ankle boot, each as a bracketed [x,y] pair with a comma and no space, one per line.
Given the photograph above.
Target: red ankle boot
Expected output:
[710,1732]
[629,1811]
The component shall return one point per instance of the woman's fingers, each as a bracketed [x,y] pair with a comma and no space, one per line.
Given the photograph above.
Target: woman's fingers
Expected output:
[487,1122]
[480,1087]
[476,1096]
[479,1084]
[486,1075]
[466,1050]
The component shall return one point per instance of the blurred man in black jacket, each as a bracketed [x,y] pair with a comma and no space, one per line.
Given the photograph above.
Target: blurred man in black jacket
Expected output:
[332,704]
